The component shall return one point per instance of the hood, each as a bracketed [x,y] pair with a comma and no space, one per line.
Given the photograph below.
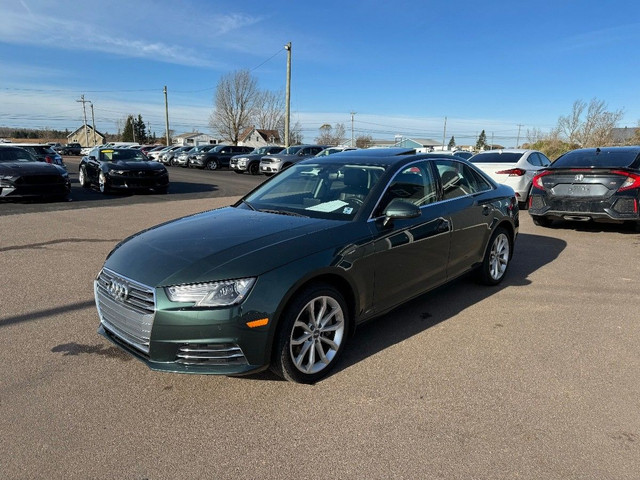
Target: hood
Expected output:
[282,156]
[135,165]
[215,245]
[30,168]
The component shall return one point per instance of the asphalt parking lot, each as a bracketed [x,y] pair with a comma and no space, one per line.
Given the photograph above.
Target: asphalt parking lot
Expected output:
[537,378]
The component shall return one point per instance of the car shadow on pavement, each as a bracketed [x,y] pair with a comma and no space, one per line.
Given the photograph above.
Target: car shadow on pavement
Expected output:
[532,252]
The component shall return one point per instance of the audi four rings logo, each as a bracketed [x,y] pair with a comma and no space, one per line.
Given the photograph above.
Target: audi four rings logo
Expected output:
[579,177]
[118,291]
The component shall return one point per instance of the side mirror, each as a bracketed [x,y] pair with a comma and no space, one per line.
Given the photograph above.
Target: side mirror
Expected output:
[400,210]
[92,158]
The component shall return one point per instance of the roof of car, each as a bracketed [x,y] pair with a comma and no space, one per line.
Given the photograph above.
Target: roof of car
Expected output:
[378,152]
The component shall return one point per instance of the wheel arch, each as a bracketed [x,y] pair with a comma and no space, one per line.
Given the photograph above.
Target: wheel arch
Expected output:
[331,279]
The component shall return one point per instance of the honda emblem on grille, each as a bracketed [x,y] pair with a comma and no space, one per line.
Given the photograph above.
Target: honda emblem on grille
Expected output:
[579,177]
[118,291]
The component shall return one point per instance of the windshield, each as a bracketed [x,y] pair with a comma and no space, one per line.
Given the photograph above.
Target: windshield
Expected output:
[126,154]
[320,190]
[15,155]
[291,150]
[595,157]
[496,157]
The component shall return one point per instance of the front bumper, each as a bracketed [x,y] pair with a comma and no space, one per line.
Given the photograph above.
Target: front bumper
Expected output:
[175,337]
[270,168]
[131,182]
[43,186]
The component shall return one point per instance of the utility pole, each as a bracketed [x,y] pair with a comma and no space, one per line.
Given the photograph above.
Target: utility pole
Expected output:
[93,125]
[518,140]
[84,111]
[353,144]
[166,113]
[491,141]
[444,134]
[287,116]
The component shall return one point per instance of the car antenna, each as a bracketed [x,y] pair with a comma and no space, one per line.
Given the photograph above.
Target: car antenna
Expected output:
[598,150]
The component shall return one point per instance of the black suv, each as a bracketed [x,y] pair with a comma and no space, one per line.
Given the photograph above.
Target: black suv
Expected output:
[70,149]
[218,156]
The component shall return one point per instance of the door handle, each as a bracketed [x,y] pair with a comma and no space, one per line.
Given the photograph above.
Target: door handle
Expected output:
[443,226]
[486,210]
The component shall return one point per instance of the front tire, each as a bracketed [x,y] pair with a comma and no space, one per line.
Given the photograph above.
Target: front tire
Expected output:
[254,168]
[496,258]
[82,177]
[212,164]
[312,335]
[103,183]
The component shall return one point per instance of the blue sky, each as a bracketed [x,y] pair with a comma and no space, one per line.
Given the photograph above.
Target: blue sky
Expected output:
[402,66]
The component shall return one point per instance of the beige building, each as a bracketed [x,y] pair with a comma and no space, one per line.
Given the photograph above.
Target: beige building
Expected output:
[88,138]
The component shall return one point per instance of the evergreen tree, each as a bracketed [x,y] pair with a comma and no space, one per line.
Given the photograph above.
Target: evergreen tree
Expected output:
[452,143]
[481,144]
[128,132]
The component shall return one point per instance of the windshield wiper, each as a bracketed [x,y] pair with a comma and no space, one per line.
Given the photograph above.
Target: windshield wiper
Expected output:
[283,212]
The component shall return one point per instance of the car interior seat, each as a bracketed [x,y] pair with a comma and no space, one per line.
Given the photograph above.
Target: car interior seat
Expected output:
[356,184]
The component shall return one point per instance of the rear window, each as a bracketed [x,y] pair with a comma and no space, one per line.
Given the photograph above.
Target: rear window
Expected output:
[507,157]
[598,158]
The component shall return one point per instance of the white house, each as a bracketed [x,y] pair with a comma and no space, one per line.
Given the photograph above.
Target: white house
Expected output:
[194,138]
[255,137]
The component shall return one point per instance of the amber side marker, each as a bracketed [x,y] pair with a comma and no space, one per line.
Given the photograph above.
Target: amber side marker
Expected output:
[258,323]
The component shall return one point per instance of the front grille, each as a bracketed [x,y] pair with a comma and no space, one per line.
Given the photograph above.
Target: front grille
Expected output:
[126,308]
[211,354]
[40,180]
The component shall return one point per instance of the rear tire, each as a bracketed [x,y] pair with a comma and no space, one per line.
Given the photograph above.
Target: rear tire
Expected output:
[496,258]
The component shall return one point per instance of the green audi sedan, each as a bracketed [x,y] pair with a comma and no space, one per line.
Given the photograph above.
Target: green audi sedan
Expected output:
[282,278]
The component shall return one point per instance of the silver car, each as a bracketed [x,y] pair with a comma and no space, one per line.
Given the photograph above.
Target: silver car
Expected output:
[271,164]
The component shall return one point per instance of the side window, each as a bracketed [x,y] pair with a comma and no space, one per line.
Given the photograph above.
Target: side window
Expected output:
[414,184]
[544,161]
[458,179]
[534,159]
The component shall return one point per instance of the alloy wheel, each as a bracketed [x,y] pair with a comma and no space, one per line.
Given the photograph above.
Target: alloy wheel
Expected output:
[317,334]
[499,256]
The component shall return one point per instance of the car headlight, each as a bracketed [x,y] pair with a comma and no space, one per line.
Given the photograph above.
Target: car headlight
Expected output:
[118,172]
[6,182]
[214,294]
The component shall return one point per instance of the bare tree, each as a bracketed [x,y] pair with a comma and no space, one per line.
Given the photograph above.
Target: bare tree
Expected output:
[364,141]
[269,110]
[235,105]
[569,126]
[592,128]
[535,135]
[330,135]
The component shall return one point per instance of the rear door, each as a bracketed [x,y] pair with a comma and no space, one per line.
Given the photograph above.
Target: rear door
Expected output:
[467,202]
